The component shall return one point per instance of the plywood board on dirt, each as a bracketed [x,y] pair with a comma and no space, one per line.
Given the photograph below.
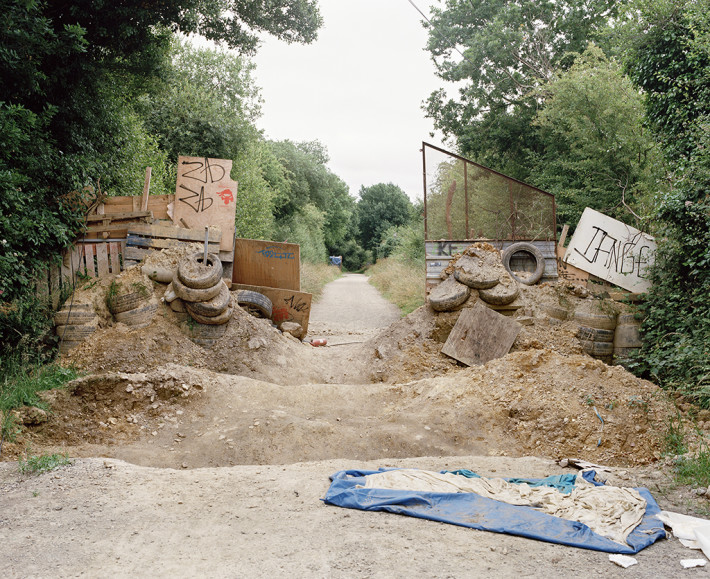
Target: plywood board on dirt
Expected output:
[288,305]
[267,263]
[480,335]
[612,250]
[205,195]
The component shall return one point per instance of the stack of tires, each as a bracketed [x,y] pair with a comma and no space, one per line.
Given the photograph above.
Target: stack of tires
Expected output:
[596,334]
[134,308]
[73,324]
[479,268]
[627,338]
[200,289]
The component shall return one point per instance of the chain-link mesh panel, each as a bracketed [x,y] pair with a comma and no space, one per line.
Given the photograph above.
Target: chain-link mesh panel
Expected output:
[467,201]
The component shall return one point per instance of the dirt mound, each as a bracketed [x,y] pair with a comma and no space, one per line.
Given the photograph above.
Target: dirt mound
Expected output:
[259,396]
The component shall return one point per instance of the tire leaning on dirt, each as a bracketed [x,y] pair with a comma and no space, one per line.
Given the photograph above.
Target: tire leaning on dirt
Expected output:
[188,294]
[188,268]
[219,320]
[258,305]
[598,349]
[138,317]
[468,272]
[448,295]
[215,306]
[594,334]
[502,293]
[598,321]
[529,248]
[126,302]
[76,333]
[74,316]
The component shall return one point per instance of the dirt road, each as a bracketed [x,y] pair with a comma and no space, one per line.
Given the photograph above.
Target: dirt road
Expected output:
[175,507]
[350,310]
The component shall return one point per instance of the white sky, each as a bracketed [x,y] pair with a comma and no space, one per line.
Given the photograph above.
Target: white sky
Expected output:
[358,90]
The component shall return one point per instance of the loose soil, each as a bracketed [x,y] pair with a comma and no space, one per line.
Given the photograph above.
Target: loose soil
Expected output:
[213,460]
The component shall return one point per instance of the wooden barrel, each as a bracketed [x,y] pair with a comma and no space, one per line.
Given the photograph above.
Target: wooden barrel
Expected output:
[627,337]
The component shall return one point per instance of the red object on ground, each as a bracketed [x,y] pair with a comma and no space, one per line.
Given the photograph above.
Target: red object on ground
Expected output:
[319,342]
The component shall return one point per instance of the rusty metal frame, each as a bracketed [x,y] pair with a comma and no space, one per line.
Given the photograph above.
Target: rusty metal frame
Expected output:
[509,181]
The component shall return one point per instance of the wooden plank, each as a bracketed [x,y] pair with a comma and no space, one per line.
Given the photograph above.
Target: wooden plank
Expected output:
[288,305]
[55,285]
[162,243]
[174,232]
[568,272]
[89,250]
[135,253]
[205,195]
[146,190]
[480,335]
[102,259]
[267,263]
[114,250]
[119,216]
[112,228]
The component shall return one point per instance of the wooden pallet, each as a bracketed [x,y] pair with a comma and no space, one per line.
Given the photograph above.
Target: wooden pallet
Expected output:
[142,239]
[94,259]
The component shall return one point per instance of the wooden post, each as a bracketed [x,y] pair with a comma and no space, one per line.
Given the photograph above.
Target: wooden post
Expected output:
[146,190]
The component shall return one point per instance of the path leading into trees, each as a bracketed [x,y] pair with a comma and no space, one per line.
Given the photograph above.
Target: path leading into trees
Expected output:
[350,310]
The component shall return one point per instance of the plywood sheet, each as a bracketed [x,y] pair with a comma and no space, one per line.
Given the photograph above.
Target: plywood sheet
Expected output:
[267,263]
[288,305]
[480,335]
[612,250]
[205,195]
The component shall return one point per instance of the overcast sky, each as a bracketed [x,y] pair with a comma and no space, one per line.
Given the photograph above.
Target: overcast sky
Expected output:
[358,90]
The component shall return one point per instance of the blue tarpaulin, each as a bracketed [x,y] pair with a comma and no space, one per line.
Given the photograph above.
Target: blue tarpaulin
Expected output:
[477,512]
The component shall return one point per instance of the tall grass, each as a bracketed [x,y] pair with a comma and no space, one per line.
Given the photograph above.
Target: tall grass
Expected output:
[314,276]
[401,281]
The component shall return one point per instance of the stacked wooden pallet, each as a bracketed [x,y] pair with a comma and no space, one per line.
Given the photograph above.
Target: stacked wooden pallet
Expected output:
[141,239]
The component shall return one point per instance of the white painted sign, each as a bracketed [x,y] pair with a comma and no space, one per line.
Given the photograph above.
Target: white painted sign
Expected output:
[612,250]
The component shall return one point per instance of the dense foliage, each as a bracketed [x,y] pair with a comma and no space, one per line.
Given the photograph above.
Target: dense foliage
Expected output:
[621,126]
[93,92]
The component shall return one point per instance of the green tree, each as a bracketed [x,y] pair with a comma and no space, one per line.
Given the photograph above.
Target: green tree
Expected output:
[505,50]
[379,208]
[310,186]
[596,152]
[669,57]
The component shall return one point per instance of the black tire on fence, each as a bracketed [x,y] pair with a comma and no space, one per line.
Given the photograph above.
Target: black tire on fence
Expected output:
[216,305]
[595,334]
[73,317]
[529,248]
[203,280]
[137,317]
[448,295]
[188,294]
[222,318]
[256,304]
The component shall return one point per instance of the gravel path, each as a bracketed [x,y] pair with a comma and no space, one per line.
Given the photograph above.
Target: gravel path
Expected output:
[350,310]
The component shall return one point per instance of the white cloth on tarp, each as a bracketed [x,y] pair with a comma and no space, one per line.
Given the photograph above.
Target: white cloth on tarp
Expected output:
[612,512]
